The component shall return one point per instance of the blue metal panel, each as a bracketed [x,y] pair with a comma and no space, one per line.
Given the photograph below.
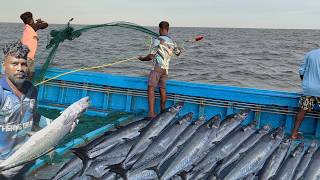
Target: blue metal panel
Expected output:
[140,103]
[188,107]
[309,126]
[50,94]
[128,103]
[191,89]
[211,111]
[274,120]
[71,95]
[96,99]
[117,101]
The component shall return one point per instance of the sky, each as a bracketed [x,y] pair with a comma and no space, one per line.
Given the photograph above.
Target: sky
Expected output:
[276,14]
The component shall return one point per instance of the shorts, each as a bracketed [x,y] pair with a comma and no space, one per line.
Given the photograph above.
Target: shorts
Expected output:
[307,103]
[158,78]
[30,64]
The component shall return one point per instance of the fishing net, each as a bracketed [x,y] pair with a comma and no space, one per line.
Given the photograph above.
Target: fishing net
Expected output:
[69,33]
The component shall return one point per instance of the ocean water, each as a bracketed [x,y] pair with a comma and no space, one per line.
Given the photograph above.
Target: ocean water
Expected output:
[255,58]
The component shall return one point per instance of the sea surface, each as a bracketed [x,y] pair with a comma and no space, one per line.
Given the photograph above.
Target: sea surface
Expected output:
[255,58]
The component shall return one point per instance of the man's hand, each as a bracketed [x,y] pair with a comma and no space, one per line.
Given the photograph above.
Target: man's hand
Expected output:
[149,57]
[41,24]
[39,20]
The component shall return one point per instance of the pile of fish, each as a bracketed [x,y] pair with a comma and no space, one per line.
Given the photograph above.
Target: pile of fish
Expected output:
[167,147]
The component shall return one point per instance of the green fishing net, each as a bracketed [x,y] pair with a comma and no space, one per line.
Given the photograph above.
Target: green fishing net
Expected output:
[69,33]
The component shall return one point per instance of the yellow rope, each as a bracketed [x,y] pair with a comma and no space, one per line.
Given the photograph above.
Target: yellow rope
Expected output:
[86,68]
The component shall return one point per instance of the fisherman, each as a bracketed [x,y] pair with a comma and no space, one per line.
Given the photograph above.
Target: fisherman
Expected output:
[161,53]
[17,106]
[30,38]
[310,75]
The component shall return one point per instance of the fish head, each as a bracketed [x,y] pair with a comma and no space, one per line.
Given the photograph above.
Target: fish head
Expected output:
[286,142]
[313,147]
[72,113]
[201,120]
[252,125]
[176,108]
[298,150]
[186,118]
[265,129]
[214,122]
[243,113]
[278,133]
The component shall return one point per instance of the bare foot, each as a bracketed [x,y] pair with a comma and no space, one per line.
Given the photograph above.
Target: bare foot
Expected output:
[150,116]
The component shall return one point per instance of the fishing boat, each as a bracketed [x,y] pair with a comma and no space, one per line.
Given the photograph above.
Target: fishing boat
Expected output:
[109,93]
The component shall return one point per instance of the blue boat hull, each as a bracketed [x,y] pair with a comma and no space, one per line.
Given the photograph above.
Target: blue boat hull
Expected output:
[125,93]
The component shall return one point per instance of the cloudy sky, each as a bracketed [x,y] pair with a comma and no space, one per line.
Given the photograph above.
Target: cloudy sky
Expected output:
[289,14]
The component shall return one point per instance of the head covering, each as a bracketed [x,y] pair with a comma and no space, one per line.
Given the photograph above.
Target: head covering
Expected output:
[26,17]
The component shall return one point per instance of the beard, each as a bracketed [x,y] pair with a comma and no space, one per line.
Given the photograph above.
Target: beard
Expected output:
[17,80]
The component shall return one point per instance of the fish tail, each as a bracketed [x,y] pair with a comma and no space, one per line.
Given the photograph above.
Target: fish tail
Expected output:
[118,168]
[86,160]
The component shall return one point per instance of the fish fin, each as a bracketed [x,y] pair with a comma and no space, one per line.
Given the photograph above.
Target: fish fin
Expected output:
[183,175]
[153,138]
[118,168]
[82,154]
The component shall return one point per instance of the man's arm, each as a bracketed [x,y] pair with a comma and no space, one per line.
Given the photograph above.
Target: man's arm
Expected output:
[39,121]
[149,57]
[303,67]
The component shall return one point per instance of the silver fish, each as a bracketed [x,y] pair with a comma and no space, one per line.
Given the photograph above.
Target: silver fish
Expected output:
[251,141]
[192,150]
[289,166]
[307,157]
[254,158]
[153,129]
[275,160]
[69,169]
[313,170]
[111,139]
[182,139]
[162,142]
[47,138]
[222,150]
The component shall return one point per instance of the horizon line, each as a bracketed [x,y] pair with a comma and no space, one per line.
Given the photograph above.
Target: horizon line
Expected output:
[226,27]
